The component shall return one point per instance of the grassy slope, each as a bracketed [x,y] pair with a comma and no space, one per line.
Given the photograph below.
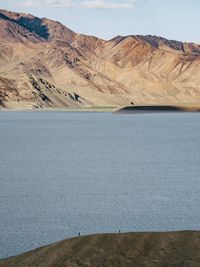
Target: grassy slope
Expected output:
[125,250]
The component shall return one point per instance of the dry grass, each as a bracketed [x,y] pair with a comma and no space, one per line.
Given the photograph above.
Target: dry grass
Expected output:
[110,250]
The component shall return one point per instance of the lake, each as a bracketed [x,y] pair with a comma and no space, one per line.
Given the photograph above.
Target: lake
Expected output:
[62,173]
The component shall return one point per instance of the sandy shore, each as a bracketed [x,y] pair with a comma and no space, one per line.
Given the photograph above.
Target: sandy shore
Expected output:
[134,109]
[84,109]
[177,249]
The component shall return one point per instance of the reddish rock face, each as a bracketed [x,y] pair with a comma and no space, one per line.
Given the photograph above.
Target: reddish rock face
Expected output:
[43,63]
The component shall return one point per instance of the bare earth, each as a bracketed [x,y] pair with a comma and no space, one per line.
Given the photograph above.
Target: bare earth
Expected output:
[46,65]
[177,249]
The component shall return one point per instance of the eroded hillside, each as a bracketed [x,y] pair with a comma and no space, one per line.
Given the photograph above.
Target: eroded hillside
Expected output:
[44,64]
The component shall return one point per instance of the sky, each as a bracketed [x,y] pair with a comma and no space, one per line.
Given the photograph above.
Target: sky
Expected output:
[172,19]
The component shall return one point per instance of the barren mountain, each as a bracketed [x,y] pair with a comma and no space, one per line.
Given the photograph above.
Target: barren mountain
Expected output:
[45,64]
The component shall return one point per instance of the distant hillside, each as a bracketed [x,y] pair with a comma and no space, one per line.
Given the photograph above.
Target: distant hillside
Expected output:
[44,64]
[177,249]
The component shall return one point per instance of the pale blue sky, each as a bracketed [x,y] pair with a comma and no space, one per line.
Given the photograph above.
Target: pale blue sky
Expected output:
[173,19]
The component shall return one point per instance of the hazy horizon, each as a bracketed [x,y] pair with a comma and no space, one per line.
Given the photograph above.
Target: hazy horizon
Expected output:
[108,18]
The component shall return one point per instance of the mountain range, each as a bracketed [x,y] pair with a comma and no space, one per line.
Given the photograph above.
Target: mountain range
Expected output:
[43,64]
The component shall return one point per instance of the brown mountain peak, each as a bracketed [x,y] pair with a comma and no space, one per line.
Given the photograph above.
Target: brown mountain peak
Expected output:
[45,64]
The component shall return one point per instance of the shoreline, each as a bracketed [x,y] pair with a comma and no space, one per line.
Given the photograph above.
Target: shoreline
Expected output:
[179,248]
[146,109]
[134,109]
[86,109]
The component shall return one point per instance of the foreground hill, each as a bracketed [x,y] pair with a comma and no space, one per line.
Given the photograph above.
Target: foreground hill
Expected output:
[43,64]
[176,249]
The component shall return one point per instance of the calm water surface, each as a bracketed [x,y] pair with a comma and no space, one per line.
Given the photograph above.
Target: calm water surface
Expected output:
[64,173]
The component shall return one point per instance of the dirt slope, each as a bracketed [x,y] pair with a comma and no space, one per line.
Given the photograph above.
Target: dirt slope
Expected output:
[176,249]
